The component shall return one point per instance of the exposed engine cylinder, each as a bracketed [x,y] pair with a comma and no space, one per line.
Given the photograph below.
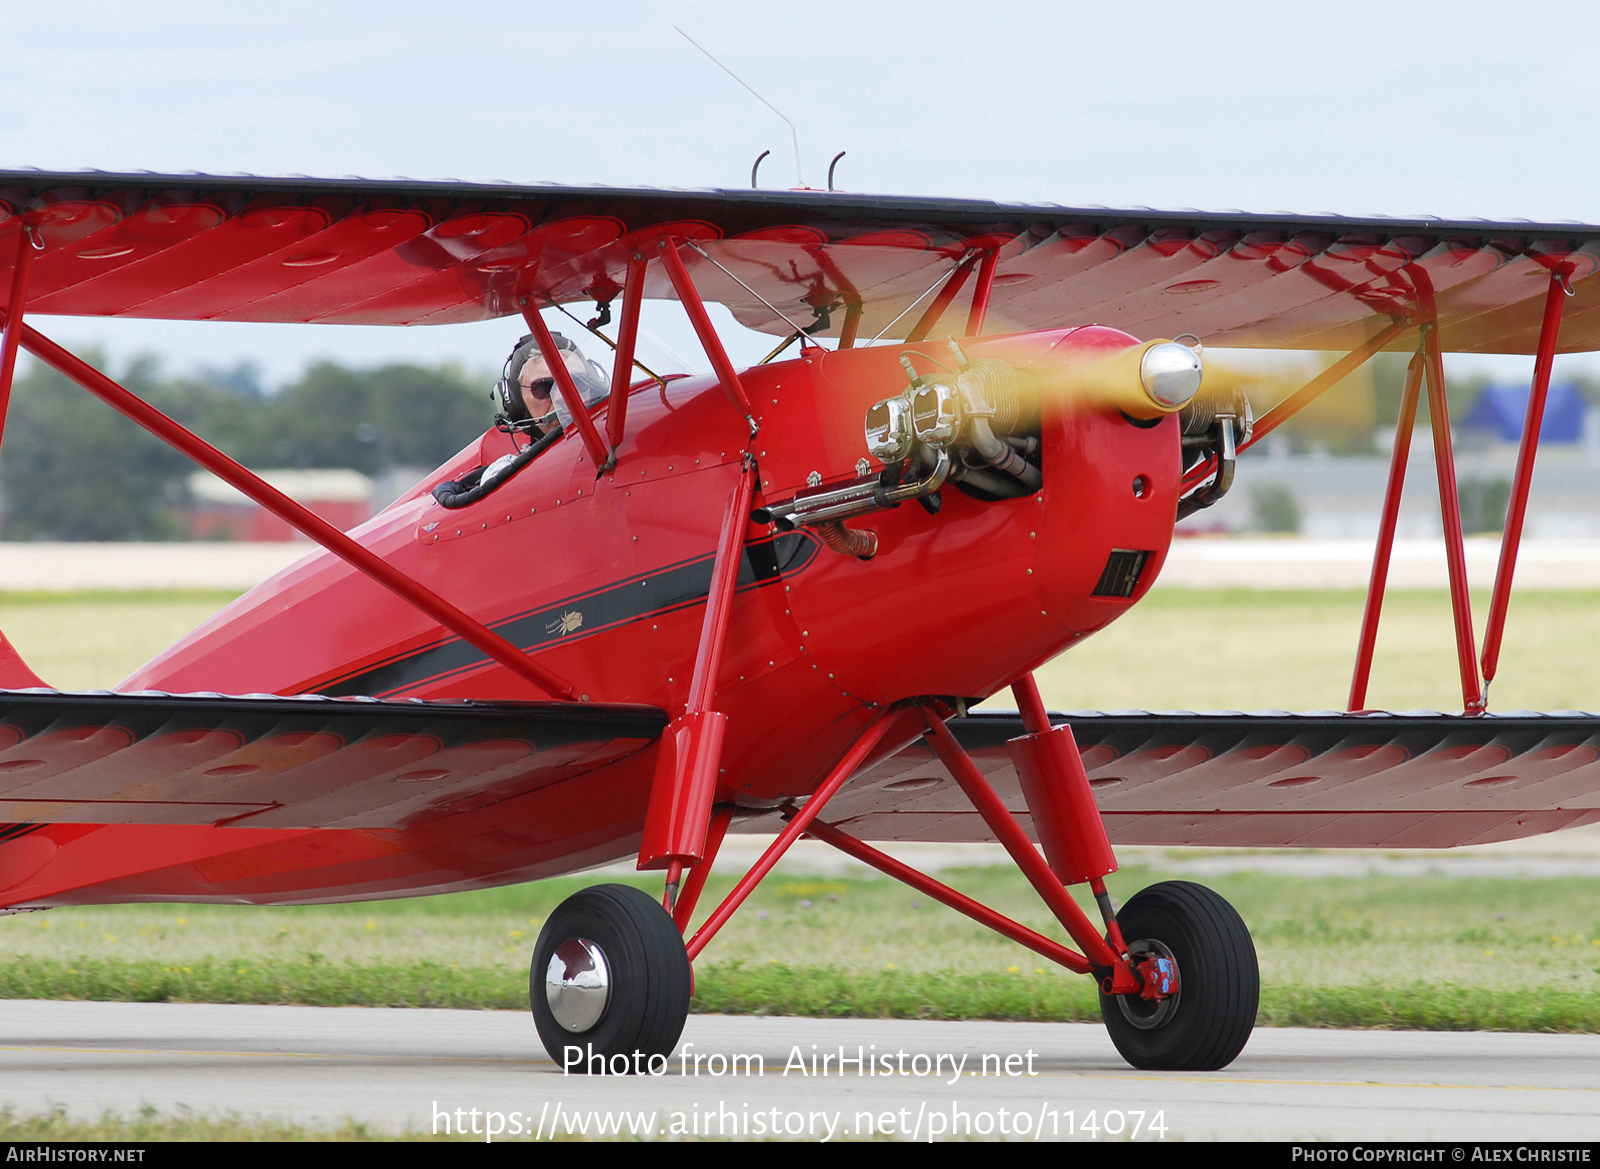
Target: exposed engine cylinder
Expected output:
[979,416]
[978,426]
[1199,415]
[1214,427]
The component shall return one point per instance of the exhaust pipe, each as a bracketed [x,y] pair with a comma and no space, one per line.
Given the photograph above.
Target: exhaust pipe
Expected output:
[861,497]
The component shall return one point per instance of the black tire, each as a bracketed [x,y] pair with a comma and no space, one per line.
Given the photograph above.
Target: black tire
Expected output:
[1219,983]
[648,974]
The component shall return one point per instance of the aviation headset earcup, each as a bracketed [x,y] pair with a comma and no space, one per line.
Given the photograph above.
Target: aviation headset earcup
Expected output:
[509,389]
[510,401]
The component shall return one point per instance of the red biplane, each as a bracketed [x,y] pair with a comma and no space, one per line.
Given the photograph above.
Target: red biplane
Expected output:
[764,600]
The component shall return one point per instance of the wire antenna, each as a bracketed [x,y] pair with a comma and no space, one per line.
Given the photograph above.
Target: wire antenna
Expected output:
[792,132]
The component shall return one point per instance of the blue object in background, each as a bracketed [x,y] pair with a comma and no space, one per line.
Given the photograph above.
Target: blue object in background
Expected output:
[1501,409]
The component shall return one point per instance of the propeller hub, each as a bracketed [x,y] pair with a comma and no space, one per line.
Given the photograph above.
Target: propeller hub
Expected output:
[1170,373]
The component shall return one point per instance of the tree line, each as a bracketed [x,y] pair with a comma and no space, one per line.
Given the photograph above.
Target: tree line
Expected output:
[71,468]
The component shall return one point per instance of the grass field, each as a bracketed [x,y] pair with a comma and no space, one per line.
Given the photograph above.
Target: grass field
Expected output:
[1434,952]
[1244,649]
[90,641]
[1191,649]
[1375,951]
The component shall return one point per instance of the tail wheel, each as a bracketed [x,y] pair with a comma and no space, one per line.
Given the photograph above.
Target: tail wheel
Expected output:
[1206,1024]
[610,978]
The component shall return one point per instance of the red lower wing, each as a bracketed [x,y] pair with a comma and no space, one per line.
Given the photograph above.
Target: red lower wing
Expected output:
[1266,780]
[266,800]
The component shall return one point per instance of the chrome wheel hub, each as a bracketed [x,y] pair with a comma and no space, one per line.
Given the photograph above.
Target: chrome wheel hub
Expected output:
[577,984]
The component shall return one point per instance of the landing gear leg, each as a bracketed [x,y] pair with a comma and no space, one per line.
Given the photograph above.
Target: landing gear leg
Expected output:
[609,985]
[1205,1023]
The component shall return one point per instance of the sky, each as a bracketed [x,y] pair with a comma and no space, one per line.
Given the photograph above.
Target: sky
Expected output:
[1450,109]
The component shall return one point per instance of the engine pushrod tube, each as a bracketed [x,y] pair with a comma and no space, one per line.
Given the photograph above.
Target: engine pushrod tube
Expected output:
[1381,553]
[1006,829]
[792,832]
[945,895]
[362,559]
[1527,450]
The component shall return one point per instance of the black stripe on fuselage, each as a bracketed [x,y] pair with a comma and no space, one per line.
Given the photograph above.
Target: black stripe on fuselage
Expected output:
[672,587]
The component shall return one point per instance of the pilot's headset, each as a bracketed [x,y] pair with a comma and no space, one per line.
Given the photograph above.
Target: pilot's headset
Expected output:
[591,380]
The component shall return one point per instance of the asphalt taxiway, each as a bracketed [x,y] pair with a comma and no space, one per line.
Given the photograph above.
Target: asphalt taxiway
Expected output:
[401,1069]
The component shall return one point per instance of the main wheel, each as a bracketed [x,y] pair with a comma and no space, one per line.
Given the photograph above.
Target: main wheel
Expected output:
[1207,1022]
[609,981]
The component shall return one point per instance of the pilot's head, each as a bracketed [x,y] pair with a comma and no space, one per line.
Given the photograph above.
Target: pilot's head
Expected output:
[527,390]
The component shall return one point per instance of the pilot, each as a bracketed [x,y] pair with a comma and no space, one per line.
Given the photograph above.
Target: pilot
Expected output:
[528,393]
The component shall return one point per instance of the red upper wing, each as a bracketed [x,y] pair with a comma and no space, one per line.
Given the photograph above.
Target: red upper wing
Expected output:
[399,252]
